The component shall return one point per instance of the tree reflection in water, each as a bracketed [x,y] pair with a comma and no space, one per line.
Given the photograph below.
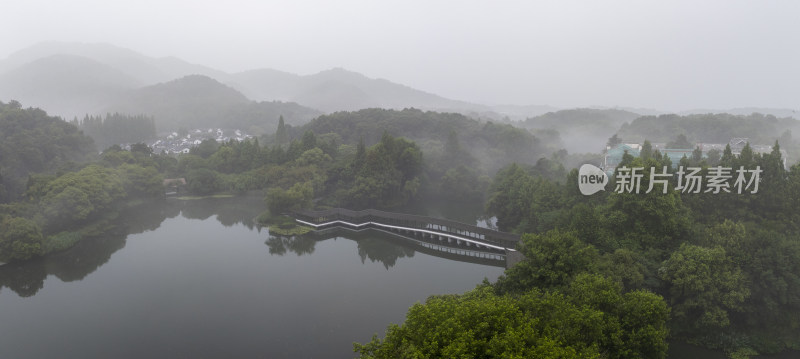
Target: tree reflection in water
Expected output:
[373,245]
[27,278]
[300,245]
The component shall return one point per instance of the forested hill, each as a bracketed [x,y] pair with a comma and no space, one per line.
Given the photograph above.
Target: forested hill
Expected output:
[582,118]
[709,128]
[33,142]
[492,144]
[199,101]
[582,129]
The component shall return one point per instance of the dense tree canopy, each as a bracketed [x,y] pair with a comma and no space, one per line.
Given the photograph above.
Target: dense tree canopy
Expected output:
[588,318]
[32,142]
[724,262]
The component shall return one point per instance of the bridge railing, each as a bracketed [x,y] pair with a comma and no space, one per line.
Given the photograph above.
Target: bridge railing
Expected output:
[508,240]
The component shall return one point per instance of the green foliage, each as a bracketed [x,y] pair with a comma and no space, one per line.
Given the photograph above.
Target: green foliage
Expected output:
[78,196]
[288,230]
[32,142]
[524,201]
[727,263]
[589,318]
[299,196]
[680,142]
[388,176]
[118,129]
[115,156]
[613,141]
[281,136]
[463,184]
[551,260]
[206,148]
[705,287]
[60,242]
[141,181]
[491,145]
[313,157]
[20,239]
[202,181]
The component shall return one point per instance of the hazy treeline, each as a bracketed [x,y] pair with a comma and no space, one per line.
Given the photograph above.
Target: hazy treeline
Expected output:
[710,128]
[117,129]
[581,129]
[491,145]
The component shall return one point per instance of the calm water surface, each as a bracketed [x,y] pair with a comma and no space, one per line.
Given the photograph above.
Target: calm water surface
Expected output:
[196,279]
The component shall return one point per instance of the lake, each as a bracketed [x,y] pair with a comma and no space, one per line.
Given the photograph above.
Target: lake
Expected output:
[197,279]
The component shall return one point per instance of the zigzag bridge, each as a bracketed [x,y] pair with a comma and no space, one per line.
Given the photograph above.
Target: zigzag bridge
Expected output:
[451,237]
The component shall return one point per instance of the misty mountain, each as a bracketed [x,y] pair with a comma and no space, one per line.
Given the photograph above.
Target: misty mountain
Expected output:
[342,90]
[74,79]
[199,101]
[328,91]
[583,129]
[65,85]
[46,74]
[146,70]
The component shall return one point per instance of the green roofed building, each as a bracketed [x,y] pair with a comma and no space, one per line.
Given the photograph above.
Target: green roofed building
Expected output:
[614,155]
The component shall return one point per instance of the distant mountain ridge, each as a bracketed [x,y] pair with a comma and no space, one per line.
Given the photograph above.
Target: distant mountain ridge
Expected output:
[328,91]
[342,90]
[65,84]
[200,101]
[147,70]
[73,79]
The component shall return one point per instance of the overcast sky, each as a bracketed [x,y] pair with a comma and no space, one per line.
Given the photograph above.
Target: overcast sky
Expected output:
[669,55]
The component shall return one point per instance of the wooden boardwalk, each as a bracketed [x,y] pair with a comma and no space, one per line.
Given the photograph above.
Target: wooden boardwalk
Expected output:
[434,233]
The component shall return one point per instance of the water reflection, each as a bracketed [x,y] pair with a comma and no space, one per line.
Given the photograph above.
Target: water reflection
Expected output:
[372,245]
[27,278]
[375,245]
[300,245]
[376,250]
[229,211]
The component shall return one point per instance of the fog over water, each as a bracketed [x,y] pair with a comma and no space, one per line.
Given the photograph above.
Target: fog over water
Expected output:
[670,56]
